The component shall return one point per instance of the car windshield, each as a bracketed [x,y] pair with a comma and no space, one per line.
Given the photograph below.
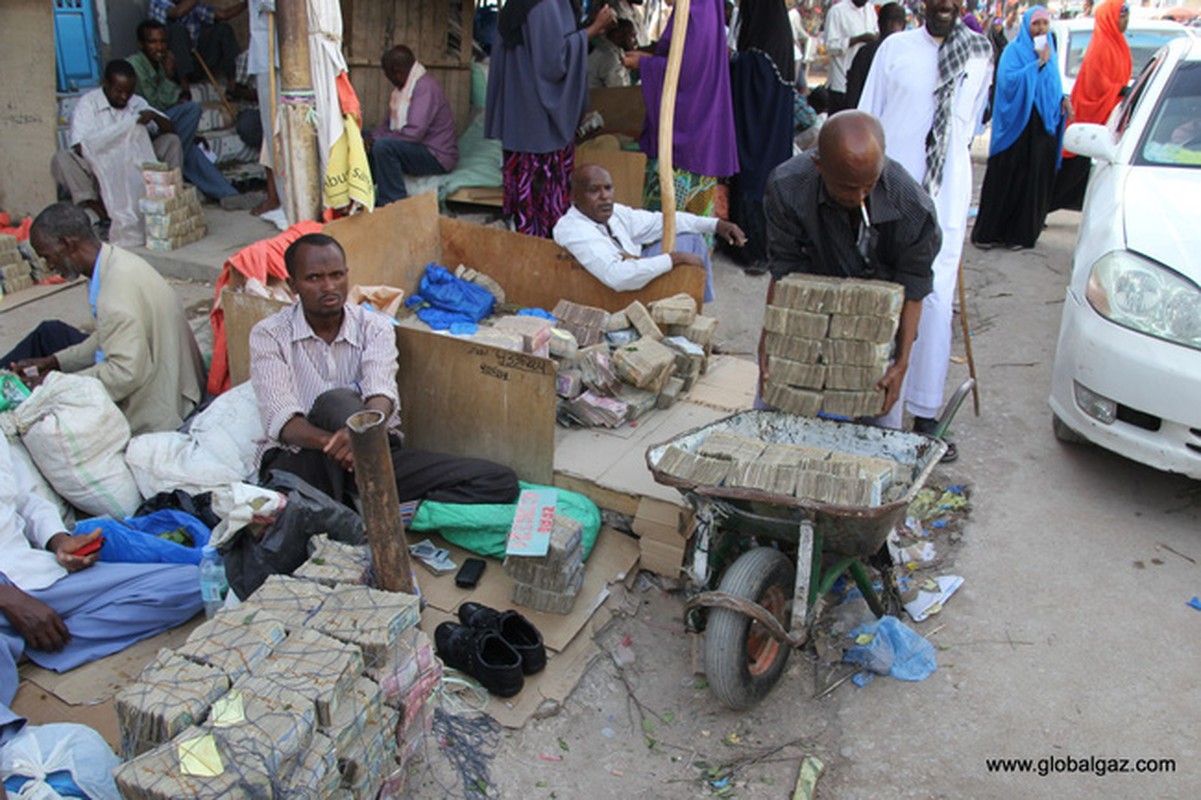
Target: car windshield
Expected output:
[1174,135]
[1143,45]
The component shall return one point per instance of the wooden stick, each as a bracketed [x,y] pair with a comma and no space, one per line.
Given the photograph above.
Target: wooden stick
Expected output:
[377,490]
[967,343]
[667,120]
[200,60]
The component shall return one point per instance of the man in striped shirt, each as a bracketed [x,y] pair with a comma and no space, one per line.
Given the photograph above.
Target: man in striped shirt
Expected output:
[321,360]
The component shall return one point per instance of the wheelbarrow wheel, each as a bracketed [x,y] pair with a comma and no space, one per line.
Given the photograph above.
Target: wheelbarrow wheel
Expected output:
[742,661]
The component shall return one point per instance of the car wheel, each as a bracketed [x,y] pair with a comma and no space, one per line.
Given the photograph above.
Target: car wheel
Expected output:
[1065,434]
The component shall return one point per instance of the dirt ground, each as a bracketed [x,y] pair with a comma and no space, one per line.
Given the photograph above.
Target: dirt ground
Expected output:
[1070,636]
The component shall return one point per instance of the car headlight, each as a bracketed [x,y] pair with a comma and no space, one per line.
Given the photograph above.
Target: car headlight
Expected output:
[1139,294]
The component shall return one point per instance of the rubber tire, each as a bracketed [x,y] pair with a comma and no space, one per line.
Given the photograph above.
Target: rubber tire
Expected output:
[727,663]
[1065,434]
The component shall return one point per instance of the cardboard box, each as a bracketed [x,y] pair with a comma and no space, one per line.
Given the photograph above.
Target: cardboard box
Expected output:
[661,558]
[662,521]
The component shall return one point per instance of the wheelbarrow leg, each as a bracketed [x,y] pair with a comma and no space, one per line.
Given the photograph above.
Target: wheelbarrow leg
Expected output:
[864,582]
[804,575]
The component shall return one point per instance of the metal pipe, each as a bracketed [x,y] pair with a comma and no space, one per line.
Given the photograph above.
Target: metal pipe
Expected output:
[381,505]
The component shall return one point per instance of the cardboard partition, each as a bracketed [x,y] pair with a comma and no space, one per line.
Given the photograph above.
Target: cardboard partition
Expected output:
[393,245]
[537,272]
[628,170]
[469,399]
[622,108]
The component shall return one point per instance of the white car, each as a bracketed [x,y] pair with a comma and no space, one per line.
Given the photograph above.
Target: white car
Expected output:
[1127,372]
[1145,37]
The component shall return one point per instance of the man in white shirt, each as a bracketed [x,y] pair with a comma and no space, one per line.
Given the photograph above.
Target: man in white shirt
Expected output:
[621,246]
[849,25]
[61,619]
[929,86]
[98,112]
[802,48]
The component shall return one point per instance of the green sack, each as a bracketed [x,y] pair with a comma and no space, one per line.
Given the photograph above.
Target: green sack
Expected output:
[484,528]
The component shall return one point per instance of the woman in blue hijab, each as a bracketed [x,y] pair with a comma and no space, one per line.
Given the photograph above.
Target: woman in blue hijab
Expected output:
[1029,115]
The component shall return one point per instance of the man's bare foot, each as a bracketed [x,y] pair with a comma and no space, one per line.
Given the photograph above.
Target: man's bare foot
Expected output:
[270,204]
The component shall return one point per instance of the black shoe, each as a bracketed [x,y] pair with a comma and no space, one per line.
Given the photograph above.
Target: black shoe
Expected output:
[515,629]
[483,655]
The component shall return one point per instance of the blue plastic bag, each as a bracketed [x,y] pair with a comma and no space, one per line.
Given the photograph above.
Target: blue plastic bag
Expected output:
[894,650]
[443,299]
[136,539]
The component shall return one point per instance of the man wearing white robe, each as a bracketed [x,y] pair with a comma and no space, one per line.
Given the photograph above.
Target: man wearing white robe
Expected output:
[900,91]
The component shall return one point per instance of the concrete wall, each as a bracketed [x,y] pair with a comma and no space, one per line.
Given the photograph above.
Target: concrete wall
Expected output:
[123,19]
[27,105]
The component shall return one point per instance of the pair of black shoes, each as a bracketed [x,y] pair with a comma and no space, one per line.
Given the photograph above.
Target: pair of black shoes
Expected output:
[496,648]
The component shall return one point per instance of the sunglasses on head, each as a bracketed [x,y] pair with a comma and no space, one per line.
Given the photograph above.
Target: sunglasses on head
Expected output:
[1125,9]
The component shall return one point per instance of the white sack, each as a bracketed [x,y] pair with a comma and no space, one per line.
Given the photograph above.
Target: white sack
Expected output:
[76,435]
[116,155]
[39,750]
[217,450]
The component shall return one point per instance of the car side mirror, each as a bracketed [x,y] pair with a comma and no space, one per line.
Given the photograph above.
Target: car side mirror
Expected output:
[1092,140]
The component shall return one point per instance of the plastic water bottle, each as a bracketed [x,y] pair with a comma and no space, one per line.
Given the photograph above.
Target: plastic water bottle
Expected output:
[213,583]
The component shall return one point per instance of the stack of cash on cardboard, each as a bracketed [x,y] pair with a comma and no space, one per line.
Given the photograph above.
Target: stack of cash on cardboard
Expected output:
[811,473]
[302,691]
[551,583]
[828,342]
[170,209]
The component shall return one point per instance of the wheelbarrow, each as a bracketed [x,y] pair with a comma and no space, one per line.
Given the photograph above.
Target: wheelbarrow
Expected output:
[765,605]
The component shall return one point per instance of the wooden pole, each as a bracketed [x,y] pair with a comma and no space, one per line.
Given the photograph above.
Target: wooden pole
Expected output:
[967,343]
[667,119]
[271,78]
[381,505]
[302,165]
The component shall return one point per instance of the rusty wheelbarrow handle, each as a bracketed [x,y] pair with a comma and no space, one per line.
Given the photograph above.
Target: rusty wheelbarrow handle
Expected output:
[750,608]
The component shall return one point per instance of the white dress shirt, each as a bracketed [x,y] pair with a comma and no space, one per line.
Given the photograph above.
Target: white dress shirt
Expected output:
[27,522]
[612,251]
[844,22]
[94,114]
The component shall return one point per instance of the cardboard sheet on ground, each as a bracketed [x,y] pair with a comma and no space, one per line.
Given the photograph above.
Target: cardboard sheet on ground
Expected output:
[614,555]
[555,683]
[95,682]
[85,694]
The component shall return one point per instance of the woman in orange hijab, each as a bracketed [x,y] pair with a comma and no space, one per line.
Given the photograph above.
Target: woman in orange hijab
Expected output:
[1104,75]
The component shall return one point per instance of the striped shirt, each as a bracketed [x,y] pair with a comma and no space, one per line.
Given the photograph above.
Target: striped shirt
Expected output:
[290,365]
[201,14]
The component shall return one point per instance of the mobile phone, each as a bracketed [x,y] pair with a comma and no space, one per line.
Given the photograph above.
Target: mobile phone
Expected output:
[90,547]
[469,574]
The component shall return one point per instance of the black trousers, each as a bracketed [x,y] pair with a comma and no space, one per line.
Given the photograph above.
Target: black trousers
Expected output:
[46,339]
[420,474]
[217,45]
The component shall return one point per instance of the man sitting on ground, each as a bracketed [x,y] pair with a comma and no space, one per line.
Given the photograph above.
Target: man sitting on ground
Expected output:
[818,207]
[622,246]
[97,114]
[143,350]
[321,360]
[62,609]
[417,137]
[155,67]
